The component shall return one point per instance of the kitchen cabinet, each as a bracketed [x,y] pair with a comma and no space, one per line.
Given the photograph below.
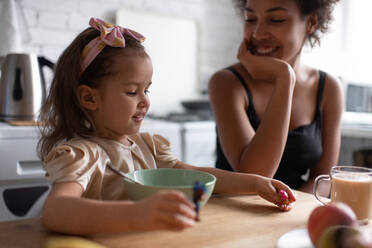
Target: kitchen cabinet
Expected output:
[356,135]
[170,131]
[199,143]
[193,142]
[23,188]
[354,138]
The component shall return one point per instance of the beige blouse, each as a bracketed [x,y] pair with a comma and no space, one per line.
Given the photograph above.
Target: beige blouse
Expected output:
[84,161]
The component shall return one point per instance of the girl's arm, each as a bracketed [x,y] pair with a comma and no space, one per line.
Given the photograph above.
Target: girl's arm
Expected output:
[242,183]
[246,150]
[331,131]
[67,212]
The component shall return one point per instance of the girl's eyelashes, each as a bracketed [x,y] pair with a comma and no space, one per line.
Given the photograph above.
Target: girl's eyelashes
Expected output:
[134,90]
[134,93]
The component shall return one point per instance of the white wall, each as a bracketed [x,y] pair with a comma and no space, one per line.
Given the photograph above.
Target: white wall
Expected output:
[52,24]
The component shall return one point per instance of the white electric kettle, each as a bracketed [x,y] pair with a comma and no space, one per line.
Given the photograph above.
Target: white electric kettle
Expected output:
[22,86]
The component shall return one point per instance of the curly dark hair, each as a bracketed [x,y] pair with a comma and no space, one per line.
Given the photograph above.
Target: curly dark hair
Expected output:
[321,8]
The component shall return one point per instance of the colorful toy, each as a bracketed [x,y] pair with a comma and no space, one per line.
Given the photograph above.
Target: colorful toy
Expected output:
[284,197]
[198,190]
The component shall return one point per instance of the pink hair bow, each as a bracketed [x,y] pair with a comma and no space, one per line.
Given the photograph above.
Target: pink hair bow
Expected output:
[112,35]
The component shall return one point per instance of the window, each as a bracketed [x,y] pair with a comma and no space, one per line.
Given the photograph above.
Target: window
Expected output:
[346,50]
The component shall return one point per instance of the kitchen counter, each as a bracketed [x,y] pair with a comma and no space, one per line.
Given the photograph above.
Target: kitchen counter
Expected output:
[356,125]
[357,131]
[8,131]
[226,221]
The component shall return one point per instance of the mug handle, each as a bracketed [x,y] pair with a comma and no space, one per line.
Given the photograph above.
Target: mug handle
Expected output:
[315,190]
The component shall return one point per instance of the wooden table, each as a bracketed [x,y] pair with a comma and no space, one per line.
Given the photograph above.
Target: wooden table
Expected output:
[226,221]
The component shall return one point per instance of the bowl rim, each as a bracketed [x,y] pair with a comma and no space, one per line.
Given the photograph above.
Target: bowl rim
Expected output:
[213,181]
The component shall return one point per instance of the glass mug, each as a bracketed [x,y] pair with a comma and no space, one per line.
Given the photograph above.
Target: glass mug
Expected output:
[351,185]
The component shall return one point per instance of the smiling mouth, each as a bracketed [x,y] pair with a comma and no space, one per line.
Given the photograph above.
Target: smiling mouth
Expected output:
[269,51]
[139,117]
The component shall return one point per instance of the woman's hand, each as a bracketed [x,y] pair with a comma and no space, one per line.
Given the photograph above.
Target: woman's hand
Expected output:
[262,67]
[269,189]
[170,210]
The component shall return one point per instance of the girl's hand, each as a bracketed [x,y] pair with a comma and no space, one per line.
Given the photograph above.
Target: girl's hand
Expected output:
[269,189]
[169,210]
[262,67]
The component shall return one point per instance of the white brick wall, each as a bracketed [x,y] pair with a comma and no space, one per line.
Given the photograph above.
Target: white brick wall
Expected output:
[52,25]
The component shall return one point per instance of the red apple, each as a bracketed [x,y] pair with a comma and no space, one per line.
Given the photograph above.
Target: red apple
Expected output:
[329,215]
[346,237]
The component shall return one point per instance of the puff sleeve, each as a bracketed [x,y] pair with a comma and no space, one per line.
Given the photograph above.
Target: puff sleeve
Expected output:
[74,161]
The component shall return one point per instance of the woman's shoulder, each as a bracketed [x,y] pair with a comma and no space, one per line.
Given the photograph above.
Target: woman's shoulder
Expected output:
[332,81]
[224,75]
[332,92]
[227,80]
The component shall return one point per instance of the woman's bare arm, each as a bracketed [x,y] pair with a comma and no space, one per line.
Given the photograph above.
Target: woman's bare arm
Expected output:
[331,130]
[246,150]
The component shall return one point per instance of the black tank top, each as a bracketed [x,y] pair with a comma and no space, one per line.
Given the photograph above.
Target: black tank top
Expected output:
[303,149]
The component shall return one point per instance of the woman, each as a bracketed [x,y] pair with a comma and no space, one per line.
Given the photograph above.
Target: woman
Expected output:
[276,116]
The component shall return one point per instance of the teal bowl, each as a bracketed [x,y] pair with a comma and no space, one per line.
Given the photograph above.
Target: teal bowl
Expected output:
[154,180]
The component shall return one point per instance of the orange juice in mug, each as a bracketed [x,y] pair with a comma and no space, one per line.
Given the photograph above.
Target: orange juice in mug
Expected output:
[351,185]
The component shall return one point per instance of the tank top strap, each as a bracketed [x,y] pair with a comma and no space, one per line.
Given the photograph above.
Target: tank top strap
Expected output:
[251,112]
[322,77]
[241,80]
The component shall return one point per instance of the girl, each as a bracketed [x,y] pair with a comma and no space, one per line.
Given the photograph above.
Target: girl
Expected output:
[276,116]
[97,101]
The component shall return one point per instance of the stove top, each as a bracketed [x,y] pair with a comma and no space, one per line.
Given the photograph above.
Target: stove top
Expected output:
[188,116]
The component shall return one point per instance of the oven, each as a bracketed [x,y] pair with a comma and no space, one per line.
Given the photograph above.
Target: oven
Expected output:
[23,187]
